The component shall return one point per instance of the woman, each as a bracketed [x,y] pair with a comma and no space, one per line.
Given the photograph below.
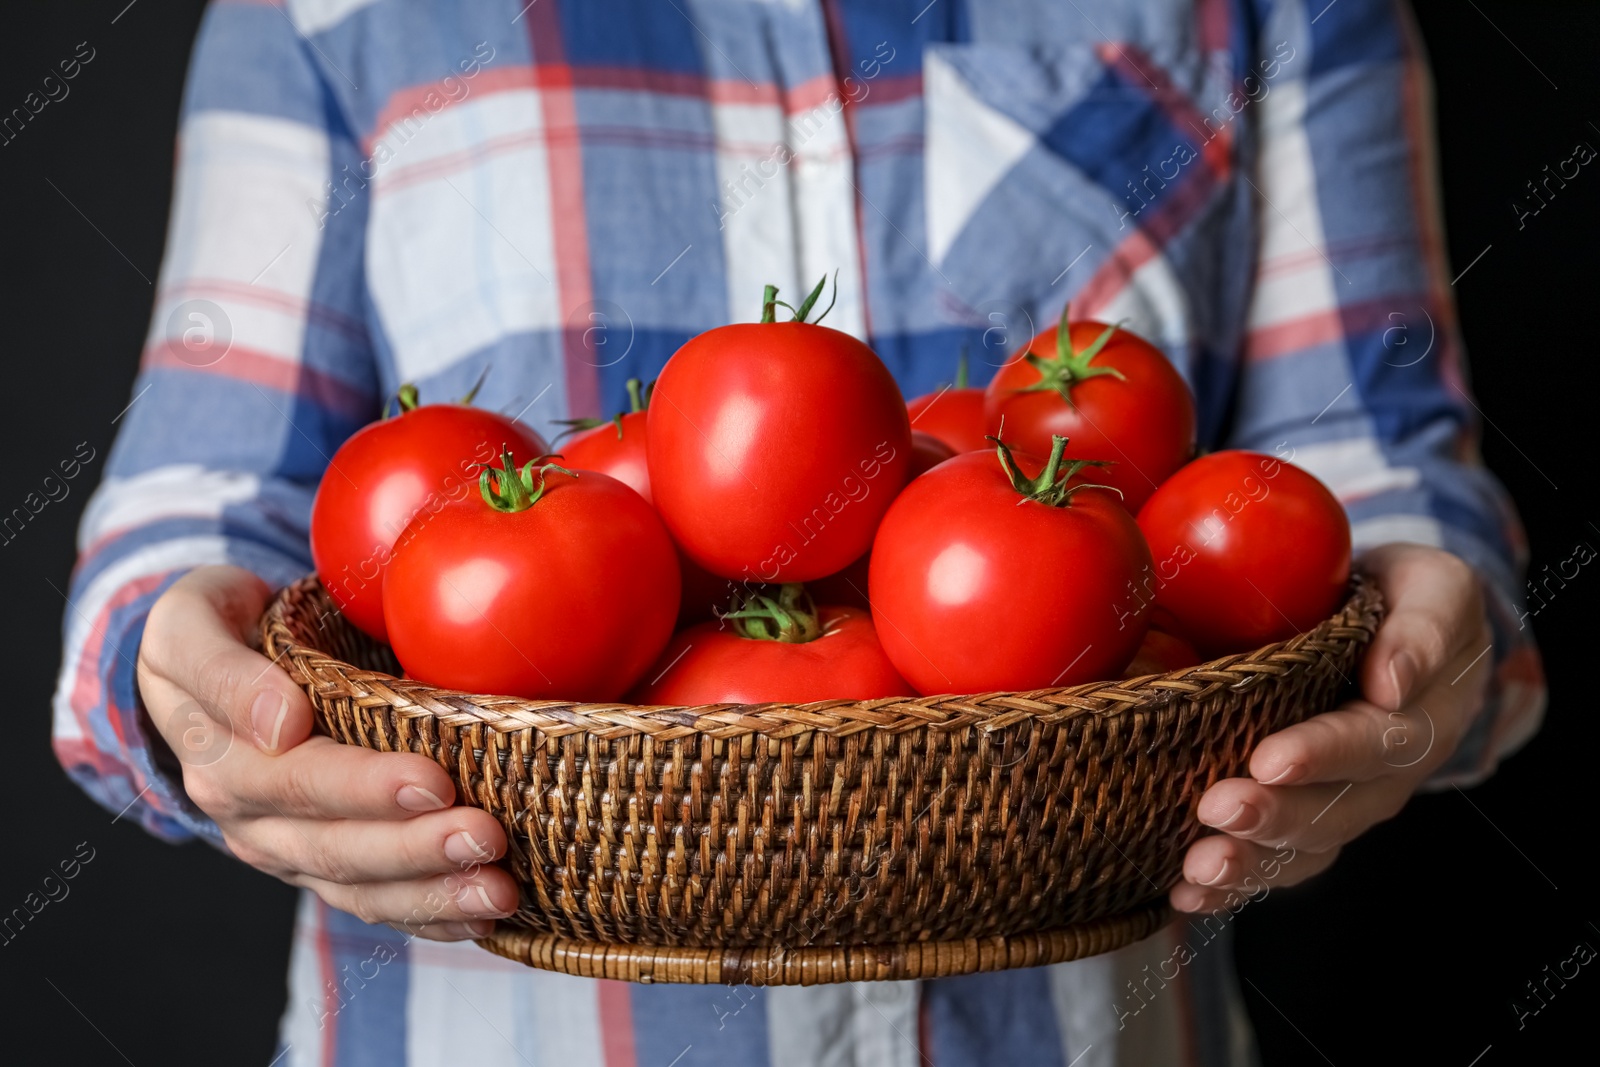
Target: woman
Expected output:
[372,192]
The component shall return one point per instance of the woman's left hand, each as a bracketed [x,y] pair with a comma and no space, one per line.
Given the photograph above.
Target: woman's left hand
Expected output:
[1323,782]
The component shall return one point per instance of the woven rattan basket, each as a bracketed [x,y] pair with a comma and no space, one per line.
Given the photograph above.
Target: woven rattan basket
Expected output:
[833,841]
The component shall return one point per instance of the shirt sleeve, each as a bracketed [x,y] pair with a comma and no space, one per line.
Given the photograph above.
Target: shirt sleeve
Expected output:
[1353,365]
[256,365]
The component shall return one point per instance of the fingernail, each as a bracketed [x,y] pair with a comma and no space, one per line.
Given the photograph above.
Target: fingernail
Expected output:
[475,901]
[1243,819]
[459,847]
[1222,872]
[416,798]
[1403,672]
[464,931]
[267,713]
[1289,774]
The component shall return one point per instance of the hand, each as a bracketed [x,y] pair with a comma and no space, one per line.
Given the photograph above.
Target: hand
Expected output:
[1322,783]
[371,833]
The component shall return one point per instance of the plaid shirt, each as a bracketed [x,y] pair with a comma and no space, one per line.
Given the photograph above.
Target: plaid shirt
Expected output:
[371,192]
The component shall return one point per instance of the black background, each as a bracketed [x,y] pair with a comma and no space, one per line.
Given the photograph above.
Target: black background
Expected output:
[1411,950]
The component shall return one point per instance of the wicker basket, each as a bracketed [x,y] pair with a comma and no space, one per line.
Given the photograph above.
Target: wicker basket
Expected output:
[833,841]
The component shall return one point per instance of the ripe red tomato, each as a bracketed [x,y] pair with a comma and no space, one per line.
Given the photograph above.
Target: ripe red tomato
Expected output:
[927,452]
[1161,653]
[953,415]
[776,447]
[384,475]
[616,447]
[984,578]
[1248,549]
[545,584]
[1114,396]
[823,654]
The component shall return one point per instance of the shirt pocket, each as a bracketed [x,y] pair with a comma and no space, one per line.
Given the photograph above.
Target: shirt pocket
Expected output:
[1082,170]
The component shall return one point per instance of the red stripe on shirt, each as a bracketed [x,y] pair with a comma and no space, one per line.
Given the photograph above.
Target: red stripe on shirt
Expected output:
[1195,186]
[82,752]
[1327,326]
[1143,74]
[1294,335]
[402,177]
[1156,228]
[1211,24]
[891,89]
[272,371]
[616,1024]
[412,103]
[88,687]
[568,222]
[267,297]
[1114,275]
[1370,246]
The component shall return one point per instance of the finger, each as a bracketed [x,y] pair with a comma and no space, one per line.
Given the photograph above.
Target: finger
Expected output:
[323,779]
[487,894]
[1311,818]
[1435,611]
[1197,899]
[1223,862]
[467,931]
[196,651]
[1362,741]
[352,851]
[1352,744]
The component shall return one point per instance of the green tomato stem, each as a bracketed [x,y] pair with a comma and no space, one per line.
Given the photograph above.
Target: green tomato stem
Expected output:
[791,617]
[505,489]
[405,400]
[1067,368]
[770,302]
[472,394]
[1050,487]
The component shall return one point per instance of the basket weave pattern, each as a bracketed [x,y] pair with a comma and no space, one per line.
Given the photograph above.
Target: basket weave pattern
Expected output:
[838,823]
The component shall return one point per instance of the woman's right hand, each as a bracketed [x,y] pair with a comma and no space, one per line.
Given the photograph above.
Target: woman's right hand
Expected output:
[371,833]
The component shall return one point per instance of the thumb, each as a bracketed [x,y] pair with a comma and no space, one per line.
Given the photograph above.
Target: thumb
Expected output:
[1435,608]
[196,651]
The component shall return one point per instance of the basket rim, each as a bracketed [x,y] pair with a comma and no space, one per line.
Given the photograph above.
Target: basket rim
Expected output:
[1355,621]
[777,964]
